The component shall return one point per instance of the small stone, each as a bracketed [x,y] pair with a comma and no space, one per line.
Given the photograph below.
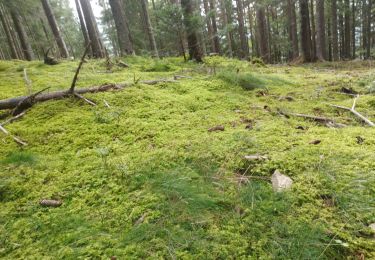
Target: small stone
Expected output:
[50,203]
[280,182]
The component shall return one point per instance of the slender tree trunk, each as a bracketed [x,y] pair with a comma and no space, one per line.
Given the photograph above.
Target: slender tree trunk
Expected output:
[188,9]
[7,31]
[292,20]
[24,39]
[321,34]
[305,32]
[369,31]
[251,28]
[225,22]
[209,26]
[92,29]
[244,51]
[313,31]
[335,45]
[347,29]
[364,26]
[123,33]
[353,29]
[262,34]
[82,24]
[55,29]
[329,32]
[150,32]
[214,26]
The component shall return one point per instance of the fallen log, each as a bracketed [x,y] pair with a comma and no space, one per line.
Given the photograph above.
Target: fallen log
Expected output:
[322,120]
[60,94]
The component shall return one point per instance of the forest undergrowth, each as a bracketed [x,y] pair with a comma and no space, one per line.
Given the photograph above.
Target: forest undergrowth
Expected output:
[140,175]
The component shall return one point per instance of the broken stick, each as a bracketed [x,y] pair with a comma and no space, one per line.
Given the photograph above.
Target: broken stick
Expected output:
[72,87]
[356,113]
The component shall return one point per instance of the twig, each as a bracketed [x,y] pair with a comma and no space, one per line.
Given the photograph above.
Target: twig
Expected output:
[15,138]
[71,90]
[323,120]
[27,82]
[84,99]
[10,120]
[106,104]
[352,109]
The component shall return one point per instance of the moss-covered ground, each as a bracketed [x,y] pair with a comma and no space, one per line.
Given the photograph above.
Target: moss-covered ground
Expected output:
[146,179]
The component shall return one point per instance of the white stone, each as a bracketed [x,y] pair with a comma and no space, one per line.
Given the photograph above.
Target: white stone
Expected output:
[280,182]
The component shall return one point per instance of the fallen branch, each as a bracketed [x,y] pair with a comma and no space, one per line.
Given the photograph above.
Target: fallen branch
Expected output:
[15,138]
[13,102]
[322,120]
[10,120]
[27,82]
[26,102]
[84,99]
[353,111]
[72,87]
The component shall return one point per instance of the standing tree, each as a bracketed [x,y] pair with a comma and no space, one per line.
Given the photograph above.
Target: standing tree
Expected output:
[123,33]
[92,29]
[214,26]
[210,35]
[150,32]
[320,29]
[244,51]
[9,36]
[263,34]
[292,22]
[55,29]
[335,44]
[306,32]
[188,9]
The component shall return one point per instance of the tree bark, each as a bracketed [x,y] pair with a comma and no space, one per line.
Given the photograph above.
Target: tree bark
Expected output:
[55,29]
[335,44]
[24,39]
[11,44]
[82,24]
[225,21]
[150,32]
[92,29]
[214,26]
[292,20]
[262,34]
[321,34]
[369,38]
[123,33]
[244,51]
[209,26]
[347,30]
[306,32]
[313,31]
[188,9]
[353,29]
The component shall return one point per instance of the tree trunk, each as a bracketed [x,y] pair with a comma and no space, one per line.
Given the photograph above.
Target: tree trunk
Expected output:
[369,38]
[262,34]
[321,34]
[11,43]
[55,29]
[82,24]
[251,28]
[214,26]
[313,31]
[123,33]
[305,32]
[353,29]
[225,22]
[209,26]
[24,39]
[92,29]
[347,29]
[150,32]
[244,51]
[188,9]
[335,44]
[292,20]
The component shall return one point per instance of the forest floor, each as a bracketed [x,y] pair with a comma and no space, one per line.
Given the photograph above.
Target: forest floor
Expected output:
[144,178]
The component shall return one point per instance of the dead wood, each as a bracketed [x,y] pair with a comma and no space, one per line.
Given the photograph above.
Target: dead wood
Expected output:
[26,103]
[322,120]
[356,113]
[216,128]
[256,157]
[50,203]
[15,138]
[71,90]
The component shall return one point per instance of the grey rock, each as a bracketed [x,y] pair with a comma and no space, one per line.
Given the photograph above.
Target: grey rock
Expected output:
[280,182]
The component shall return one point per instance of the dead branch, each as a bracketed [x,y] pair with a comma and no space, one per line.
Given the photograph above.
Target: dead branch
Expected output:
[27,82]
[15,138]
[11,103]
[71,90]
[106,104]
[10,120]
[27,102]
[356,113]
[84,99]
[50,203]
[322,120]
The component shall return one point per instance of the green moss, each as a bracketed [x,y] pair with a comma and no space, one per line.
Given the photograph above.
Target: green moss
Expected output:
[145,179]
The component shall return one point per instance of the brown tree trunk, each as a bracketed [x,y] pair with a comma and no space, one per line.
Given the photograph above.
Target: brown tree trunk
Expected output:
[262,34]
[24,39]
[92,29]
[313,31]
[292,20]
[251,28]
[82,24]
[11,43]
[321,34]
[244,51]
[150,32]
[353,29]
[306,32]
[369,38]
[335,44]
[347,29]
[123,33]
[229,35]
[209,26]
[214,26]
[188,9]
[55,29]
